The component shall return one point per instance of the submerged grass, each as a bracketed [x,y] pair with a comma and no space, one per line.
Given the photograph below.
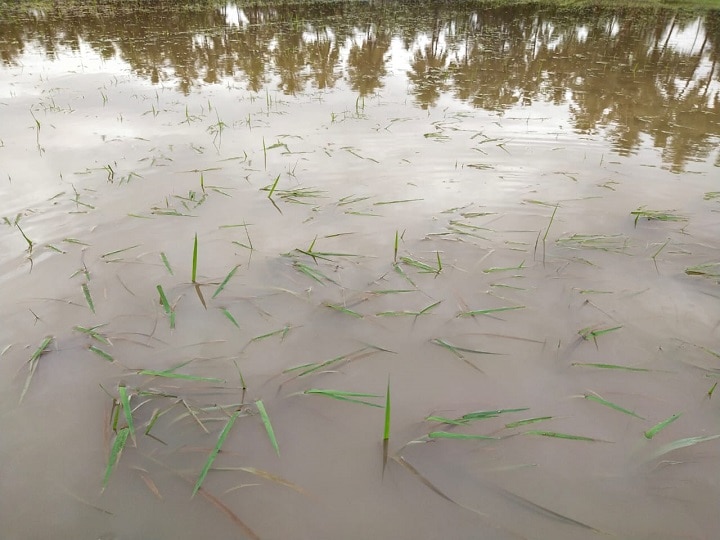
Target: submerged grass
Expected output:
[88,297]
[268,426]
[225,281]
[344,396]
[656,215]
[115,451]
[33,363]
[213,454]
[614,406]
[657,428]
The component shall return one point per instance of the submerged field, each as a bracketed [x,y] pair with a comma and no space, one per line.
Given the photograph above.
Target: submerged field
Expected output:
[356,271]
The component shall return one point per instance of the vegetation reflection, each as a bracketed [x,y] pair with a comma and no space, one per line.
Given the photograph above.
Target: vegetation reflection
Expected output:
[632,72]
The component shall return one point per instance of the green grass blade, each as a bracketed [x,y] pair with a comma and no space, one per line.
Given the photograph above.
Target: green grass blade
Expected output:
[194,259]
[224,282]
[419,265]
[268,426]
[118,445]
[344,396]
[282,332]
[455,349]
[683,443]
[88,298]
[33,363]
[461,436]
[609,366]
[615,406]
[166,306]
[527,421]
[274,184]
[386,430]
[166,263]
[397,241]
[343,309]
[556,435]
[445,420]
[230,317]
[182,376]
[213,454]
[657,428]
[482,415]
[474,312]
[101,353]
[127,411]
[93,334]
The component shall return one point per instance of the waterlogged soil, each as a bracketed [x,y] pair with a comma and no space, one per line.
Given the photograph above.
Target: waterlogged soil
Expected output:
[212,212]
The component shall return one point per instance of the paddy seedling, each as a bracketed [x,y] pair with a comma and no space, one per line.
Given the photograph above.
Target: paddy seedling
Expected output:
[657,428]
[213,454]
[609,366]
[708,270]
[557,435]
[169,311]
[166,262]
[656,215]
[682,443]
[593,333]
[102,354]
[117,448]
[344,396]
[268,426]
[33,363]
[194,260]
[474,312]
[597,399]
[225,281]
[230,317]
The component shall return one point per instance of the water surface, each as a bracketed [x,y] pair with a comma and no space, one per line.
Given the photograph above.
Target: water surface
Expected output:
[438,196]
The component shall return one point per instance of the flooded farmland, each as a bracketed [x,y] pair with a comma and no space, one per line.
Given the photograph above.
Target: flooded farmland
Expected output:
[359,270]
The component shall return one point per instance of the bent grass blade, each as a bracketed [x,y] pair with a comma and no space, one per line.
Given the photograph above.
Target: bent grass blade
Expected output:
[459,436]
[615,406]
[194,259]
[657,428]
[169,311]
[557,435]
[166,262]
[268,426]
[527,421]
[230,317]
[457,350]
[213,454]
[169,374]
[127,411]
[345,396]
[474,312]
[609,366]
[101,353]
[118,445]
[682,443]
[88,298]
[93,334]
[545,511]
[225,281]
[33,363]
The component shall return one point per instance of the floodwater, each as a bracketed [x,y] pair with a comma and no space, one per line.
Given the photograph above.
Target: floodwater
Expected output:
[436,198]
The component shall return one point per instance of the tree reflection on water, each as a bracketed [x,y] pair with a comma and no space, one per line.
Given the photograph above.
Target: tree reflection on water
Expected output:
[633,72]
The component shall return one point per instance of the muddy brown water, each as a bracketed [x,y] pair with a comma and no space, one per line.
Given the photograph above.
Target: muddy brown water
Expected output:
[329,151]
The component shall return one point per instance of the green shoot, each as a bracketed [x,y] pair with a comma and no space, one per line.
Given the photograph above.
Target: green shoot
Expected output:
[194,259]
[657,428]
[213,454]
[268,425]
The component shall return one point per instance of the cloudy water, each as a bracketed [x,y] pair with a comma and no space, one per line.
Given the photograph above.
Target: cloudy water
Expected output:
[245,245]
